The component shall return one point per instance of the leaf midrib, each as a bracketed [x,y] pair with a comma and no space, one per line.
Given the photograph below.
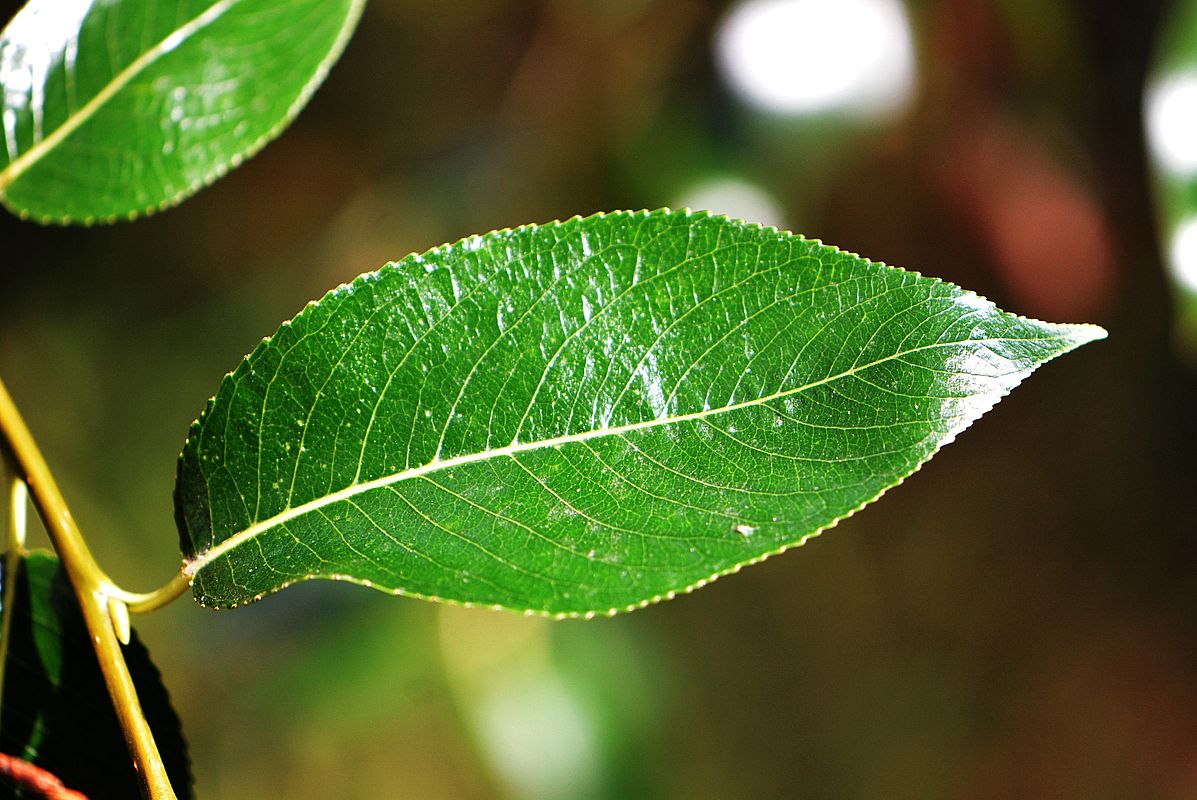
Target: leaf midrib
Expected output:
[168,44]
[195,564]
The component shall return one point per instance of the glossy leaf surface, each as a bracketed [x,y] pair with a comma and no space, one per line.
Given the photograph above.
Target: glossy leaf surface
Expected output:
[117,108]
[56,711]
[585,417]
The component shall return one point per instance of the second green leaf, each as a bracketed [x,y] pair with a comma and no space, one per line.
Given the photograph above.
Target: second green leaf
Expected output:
[120,108]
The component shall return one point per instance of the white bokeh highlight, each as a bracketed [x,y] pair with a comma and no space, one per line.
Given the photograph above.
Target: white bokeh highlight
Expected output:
[1171,112]
[813,56]
[736,198]
[1182,254]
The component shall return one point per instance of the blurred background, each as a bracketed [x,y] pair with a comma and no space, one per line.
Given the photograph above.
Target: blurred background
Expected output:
[1018,620]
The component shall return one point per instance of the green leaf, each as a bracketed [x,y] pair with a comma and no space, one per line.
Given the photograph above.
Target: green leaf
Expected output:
[56,712]
[587,416]
[125,107]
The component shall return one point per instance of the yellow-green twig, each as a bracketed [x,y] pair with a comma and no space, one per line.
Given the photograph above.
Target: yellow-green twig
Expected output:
[96,594]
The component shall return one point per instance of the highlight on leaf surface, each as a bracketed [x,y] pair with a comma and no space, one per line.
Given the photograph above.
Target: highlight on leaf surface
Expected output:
[56,712]
[118,108]
[585,417]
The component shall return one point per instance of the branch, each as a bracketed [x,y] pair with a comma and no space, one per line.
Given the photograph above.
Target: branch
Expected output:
[99,598]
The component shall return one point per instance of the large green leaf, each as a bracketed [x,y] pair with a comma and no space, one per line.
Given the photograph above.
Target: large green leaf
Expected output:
[56,711]
[586,416]
[115,108]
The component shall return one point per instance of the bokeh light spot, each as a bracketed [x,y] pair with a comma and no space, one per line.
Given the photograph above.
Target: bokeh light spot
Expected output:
[810,56]
[1183,254]
[1171,110]
[735,198]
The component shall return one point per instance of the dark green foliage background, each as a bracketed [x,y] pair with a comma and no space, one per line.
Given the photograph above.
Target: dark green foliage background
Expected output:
[1015,621]
[56,711]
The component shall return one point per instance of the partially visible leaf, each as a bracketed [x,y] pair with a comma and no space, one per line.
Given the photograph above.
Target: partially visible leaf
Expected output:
[56,712]
[587,416]
[112,109]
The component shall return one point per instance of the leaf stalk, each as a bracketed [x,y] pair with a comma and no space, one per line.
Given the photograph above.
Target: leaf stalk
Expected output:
[143,602]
